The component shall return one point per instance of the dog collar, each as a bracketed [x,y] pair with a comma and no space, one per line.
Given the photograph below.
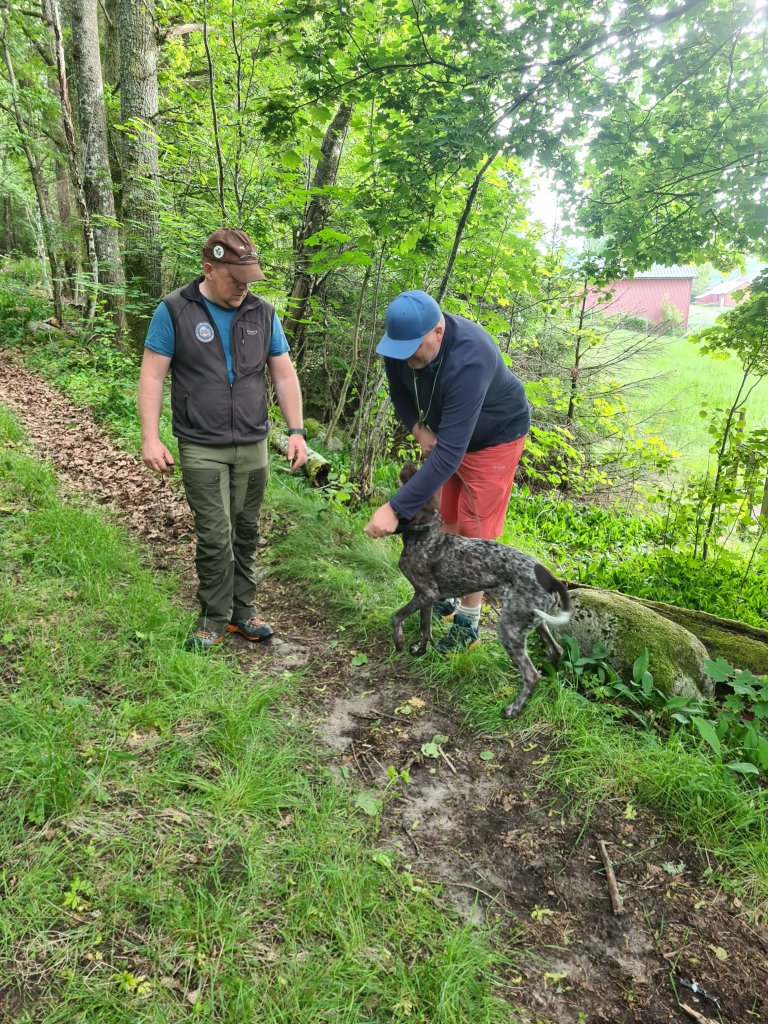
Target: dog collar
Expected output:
[405,527]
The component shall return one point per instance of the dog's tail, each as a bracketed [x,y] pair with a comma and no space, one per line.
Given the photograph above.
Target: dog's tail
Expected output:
[549,582]
[561,619]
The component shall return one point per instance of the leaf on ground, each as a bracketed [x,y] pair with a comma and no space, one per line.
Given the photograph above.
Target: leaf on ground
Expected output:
[540,913]
[369,801]
[175,815]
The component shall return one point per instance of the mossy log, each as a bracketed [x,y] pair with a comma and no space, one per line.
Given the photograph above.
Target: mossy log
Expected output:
[742,645]
[316,468]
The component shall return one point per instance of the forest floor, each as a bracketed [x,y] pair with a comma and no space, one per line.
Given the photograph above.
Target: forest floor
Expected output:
[506,847]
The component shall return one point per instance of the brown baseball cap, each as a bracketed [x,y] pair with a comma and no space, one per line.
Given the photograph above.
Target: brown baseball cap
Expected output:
[234,248]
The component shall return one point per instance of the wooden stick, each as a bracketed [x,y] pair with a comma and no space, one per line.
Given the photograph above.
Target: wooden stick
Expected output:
[613,889]
[696,1015]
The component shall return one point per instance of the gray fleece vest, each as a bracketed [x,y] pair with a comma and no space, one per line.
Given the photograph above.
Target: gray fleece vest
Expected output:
[206,408]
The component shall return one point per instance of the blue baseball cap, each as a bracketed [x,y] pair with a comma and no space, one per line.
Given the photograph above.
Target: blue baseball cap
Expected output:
[409,317]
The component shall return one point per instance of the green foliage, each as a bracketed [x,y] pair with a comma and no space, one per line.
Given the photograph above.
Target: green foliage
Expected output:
[725,587]
[741,724]
[662,150]
[638,699]
[581,535]
[671,316]
[735,731]
[21,299]
[632,322]
[743,331]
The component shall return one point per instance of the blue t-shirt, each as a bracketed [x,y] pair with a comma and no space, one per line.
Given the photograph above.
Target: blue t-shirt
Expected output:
[161,337]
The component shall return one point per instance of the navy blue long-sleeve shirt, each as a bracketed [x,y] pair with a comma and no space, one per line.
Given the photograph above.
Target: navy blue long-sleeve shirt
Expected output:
[468,397]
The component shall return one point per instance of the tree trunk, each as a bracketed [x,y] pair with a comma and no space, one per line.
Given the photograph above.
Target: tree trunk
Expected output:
[51,10]
[354,357]
[41,190]
[110,65]
[304,281]
[470,202]
[96,175]
[577,358]
[70,228]
[764,502]
[138,107]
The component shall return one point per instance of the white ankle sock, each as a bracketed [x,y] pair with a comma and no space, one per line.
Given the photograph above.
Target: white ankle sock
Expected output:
[473,614]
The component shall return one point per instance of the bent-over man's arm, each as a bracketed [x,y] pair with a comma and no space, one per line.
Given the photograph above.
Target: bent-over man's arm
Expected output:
[154,370]
[288,393]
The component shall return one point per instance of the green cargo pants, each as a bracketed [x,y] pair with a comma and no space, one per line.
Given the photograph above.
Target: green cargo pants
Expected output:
[225,487]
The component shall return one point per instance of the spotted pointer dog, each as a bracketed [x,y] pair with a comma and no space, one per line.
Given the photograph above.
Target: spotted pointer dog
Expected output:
[441,565]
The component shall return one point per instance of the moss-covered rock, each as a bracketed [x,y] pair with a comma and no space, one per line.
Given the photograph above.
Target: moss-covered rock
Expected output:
[742,645]
[625,627]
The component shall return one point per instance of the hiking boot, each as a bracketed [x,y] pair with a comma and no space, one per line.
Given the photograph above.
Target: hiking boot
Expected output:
[252,628]
[462,636]
[203,639]
[445,609]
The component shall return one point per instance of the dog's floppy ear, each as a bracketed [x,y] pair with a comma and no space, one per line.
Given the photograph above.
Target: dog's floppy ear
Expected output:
[408,470]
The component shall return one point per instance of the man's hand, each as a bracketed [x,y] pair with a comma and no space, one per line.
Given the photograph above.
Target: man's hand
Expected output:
[297,451]
[383,522]
[156,456]
[425,438]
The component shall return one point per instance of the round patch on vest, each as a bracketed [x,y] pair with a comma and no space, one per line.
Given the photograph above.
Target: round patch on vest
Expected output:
[204,332]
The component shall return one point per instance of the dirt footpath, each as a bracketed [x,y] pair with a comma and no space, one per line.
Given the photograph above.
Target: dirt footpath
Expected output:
[660,945]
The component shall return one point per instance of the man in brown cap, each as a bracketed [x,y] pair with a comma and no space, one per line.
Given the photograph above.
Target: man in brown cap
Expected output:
[217,338]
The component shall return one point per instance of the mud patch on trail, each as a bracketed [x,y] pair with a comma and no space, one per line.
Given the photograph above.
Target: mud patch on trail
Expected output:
[477,818]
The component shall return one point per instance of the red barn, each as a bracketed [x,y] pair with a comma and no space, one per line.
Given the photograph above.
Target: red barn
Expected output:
[648,293]
[727,293]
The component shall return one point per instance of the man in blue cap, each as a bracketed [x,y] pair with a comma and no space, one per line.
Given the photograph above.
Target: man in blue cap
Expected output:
[468,412]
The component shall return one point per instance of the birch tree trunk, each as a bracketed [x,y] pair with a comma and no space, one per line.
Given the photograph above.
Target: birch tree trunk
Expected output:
[139,164]
[304,281]
[94,155]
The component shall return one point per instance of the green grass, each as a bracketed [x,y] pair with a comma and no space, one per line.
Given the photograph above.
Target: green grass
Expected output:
[172,846]
[687,383]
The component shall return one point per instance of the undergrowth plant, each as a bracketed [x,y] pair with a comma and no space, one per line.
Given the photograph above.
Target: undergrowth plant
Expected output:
[735,728]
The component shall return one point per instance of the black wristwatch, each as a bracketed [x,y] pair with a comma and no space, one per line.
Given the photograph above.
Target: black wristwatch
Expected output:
[297,430]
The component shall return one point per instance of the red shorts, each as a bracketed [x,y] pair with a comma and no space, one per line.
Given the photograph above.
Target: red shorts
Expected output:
[476,496]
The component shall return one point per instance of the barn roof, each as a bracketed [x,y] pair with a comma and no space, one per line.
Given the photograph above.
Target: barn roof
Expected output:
[660,272]
[726,287]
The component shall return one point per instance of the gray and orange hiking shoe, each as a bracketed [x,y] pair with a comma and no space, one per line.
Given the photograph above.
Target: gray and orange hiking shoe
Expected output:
[462,636]
[445,609]
[203,639]
[253,628]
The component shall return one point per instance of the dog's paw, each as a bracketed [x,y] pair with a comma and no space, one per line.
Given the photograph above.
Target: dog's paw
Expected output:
[419,648]
[398,640]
